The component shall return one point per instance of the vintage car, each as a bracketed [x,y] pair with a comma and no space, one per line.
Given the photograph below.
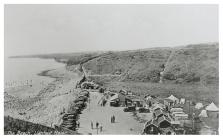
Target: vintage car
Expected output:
[129,109]
[144,110]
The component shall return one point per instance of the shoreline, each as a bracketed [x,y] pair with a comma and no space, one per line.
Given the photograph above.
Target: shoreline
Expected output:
[51,98]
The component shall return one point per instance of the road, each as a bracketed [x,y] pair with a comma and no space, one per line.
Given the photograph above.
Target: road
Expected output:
[125,122]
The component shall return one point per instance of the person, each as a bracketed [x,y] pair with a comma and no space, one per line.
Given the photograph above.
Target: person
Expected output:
[92,125]
[101,128]
[97,124]
[78,124]
[113,119]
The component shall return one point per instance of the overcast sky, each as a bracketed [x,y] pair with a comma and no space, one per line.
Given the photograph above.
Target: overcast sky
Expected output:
[40,29]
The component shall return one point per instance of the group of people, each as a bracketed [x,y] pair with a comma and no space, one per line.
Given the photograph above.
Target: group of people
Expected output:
[97,126]
[112,119]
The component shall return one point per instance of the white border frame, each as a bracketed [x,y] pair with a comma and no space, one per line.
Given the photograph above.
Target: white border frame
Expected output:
[219,2]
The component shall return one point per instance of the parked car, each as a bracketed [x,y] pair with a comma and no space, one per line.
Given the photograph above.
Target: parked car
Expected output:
[144,110]
[129,109]
[114,104]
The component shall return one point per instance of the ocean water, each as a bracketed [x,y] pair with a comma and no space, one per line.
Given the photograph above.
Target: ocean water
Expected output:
[22,71]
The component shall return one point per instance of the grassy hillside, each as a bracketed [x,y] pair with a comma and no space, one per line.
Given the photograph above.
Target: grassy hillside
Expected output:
[189,71]
[138,65]
[193,63]
[190,64]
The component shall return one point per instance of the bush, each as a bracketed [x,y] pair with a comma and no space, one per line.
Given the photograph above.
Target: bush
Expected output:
[192,77]
[169,76]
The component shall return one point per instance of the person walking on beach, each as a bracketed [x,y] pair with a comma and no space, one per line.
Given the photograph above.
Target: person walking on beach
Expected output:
[92,127]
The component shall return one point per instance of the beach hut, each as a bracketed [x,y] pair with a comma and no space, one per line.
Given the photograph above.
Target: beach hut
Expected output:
[203,114]
[198,105]
[182,101]
[168,102]
[176,110]
[174,99]
[180,116]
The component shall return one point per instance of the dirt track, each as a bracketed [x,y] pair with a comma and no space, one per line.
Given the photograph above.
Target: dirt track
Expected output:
[125,122]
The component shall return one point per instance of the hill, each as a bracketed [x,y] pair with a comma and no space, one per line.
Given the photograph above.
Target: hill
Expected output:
[193,63]
[188,71]
[189,64]
[185,71]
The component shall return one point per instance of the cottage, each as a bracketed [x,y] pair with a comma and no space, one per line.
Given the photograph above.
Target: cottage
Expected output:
[118,99]
[164,121]
[152,127]
[174,99]
[137,102]
[168,102]
[157,113]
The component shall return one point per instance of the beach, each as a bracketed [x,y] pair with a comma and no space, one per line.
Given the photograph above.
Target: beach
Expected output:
[42,102]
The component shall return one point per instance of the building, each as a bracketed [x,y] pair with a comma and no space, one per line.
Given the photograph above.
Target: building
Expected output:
[168,102]
[164,121]
[152,127]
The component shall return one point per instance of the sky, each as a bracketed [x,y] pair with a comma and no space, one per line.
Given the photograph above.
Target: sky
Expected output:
[42,29]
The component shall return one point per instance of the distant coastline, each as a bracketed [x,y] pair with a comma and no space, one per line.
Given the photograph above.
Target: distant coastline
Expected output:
[45,73]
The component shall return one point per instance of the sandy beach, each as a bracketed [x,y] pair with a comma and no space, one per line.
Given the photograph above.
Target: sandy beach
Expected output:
[42,103]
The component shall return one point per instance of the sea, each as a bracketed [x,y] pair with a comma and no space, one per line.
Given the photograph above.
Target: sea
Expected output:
[22,71]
